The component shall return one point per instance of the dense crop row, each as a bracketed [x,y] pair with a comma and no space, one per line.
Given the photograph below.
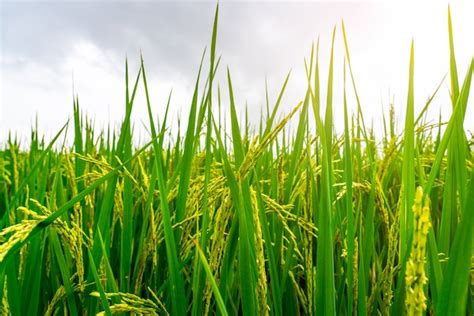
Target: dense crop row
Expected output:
[240,220]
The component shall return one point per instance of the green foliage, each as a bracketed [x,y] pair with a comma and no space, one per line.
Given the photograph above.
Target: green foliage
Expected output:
[229,220]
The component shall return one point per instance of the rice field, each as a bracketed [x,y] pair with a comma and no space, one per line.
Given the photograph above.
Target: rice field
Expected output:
[227,218]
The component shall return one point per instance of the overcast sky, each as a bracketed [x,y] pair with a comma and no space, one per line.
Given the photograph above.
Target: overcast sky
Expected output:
[46,47]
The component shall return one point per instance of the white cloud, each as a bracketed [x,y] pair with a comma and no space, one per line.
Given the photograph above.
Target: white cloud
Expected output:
[255,40]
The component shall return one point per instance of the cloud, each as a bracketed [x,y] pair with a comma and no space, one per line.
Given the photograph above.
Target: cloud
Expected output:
[44,43]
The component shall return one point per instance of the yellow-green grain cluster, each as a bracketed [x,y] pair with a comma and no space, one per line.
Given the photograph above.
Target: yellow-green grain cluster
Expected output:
[415,273]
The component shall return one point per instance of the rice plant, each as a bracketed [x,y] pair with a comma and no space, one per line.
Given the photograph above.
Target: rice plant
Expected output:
[234,219]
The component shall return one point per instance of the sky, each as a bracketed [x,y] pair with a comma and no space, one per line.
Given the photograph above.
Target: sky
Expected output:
[52,49]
